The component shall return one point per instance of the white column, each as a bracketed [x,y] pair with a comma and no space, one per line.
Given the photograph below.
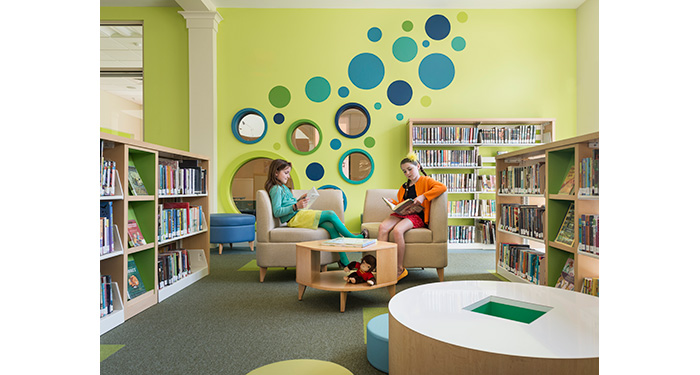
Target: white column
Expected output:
[203,26]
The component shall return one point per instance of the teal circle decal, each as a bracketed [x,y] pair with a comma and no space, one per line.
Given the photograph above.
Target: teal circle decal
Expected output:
[279,96]
[366,71]
[426,43]
[343,92]
[335,144]
[399,116]
[436,71]
[318,89]
[374,34]
[458,43]
[377,105]
[404,49]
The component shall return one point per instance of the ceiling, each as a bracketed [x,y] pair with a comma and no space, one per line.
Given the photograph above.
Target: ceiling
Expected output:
[360,4]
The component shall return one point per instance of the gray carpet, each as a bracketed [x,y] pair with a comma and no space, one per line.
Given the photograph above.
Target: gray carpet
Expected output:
[230,323]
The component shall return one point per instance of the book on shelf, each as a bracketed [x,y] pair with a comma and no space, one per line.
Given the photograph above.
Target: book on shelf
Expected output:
[565,235]
[588,233]
[135,286]
[173,265]
[106,227]
[521,260]
[566,279]
[590,286]
[177,219]
[135,235]
[106,295]
[181,177]
[135,183]
[405,207]
[567,186]
[589,176]
[350,242]
[108,176]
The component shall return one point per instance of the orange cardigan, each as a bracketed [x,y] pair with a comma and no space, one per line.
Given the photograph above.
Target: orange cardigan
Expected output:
[428,187]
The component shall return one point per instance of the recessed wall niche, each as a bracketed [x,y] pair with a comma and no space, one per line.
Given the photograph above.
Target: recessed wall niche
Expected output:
[247,180]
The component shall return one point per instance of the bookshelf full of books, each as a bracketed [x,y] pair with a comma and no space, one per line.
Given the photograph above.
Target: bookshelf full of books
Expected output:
[132,252]
[547,214]
[460,153]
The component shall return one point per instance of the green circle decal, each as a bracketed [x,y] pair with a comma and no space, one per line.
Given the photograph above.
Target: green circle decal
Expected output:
[369,142]
[462,17]
[279,96]
[426,101]
[407,26]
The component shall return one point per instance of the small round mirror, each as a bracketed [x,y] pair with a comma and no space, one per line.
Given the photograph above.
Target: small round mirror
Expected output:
[249,125]
[356,166]
[304,137]
[352,120]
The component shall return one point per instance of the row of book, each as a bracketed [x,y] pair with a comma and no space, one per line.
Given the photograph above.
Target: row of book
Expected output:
[449,158]
[523,219]
[467,182]
[528,179]
[176,219]
[483,231]
[106,228]
[522,261]
[443,135]
[173,265]
[588,233]
[106,295]
[590,286]
[108,178]
[590,175]
[472,208]
[181,177]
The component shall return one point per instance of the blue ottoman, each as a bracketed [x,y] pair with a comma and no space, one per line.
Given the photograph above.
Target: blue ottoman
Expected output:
[230,228]
[378,342]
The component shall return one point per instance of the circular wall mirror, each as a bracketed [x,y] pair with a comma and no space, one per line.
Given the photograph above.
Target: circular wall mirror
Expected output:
[248,179]
[249,125]
[304,137]
[356,166]
[352,120]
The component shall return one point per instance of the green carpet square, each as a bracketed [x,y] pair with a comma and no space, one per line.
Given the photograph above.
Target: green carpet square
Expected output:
[368,313]
[253,266]
[107,350]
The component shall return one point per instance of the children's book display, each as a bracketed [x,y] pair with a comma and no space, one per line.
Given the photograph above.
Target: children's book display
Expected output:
[134,287]
[135,235]
[566,232]
[566,279]
[135,183]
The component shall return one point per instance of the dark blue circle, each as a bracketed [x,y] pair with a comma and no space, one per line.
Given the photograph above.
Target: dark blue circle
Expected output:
[279,118]
[336,144]
[366,71]
[437,27]
[315,171]
[399,92]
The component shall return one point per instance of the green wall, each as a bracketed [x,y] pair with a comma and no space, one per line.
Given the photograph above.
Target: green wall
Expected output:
[517,63]
[165,66]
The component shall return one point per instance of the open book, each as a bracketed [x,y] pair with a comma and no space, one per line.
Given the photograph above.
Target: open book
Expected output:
[311,195]
[350,242]
[404,208]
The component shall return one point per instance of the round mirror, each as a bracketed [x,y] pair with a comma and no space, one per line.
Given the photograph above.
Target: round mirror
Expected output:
[356,166]
[352,120]
[249,125]
[304,137]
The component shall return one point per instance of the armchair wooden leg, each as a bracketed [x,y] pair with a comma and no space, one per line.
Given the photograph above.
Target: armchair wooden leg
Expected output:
[252,245]
[441,273]
[221,247]
[263,271]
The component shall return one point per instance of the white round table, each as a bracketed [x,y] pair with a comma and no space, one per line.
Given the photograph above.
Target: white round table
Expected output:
[430,331]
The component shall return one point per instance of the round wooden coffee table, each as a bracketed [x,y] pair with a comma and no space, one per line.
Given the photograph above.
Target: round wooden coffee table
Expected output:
[309,269]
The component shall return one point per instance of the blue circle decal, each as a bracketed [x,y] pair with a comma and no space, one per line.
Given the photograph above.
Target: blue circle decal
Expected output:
[335,144]
[318,89]
[404,49]
[437,27]
[315,171]
[436,71]
[343,92]
[374,34]
[399,92]
[279,118]
[366,71]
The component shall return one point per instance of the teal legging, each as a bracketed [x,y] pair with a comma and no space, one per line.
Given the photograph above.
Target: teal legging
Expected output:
[335,228]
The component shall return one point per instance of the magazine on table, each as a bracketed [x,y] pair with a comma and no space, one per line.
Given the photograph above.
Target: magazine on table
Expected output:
[350,242]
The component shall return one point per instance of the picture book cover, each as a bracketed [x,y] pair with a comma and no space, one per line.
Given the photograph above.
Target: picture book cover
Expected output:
[135,182]
[135,286]
[567,186]
[566,232]
[135,236]
[566,279]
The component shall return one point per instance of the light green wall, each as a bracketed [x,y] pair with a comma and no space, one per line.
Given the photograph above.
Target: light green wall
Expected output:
[517,63]
[165,61]
[587,67]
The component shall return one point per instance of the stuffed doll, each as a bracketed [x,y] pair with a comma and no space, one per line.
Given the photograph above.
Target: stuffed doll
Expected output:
[364,271]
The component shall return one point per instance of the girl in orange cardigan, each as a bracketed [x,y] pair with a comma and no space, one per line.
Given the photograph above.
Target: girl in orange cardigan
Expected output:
[422,189]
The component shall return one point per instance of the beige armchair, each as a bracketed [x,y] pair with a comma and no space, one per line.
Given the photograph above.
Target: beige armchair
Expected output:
[276,245]
[424,247]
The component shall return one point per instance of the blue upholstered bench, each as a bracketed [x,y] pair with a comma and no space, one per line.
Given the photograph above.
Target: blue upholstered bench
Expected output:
[378,342]
[230,228]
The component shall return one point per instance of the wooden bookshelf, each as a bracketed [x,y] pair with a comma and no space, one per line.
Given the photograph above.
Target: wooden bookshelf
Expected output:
[145,209]
[558,158]
[479,140]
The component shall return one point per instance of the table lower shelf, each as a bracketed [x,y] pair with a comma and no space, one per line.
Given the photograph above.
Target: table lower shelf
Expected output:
[333,281]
